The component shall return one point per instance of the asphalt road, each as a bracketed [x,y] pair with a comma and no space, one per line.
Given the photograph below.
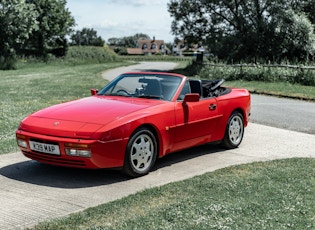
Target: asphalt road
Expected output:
[283,113]
[32,192]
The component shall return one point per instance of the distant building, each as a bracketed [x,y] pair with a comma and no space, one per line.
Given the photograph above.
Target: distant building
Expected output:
[182,48]
[148,47]
[179,47]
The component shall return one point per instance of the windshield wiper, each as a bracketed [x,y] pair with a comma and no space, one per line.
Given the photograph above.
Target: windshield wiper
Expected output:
[118,94]
[150,96]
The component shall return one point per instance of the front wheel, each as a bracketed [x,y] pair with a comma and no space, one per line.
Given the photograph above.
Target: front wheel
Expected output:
[234,131]
[141,153]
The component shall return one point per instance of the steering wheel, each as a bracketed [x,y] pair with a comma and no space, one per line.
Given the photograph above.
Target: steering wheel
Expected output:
[220,82]
[123,92]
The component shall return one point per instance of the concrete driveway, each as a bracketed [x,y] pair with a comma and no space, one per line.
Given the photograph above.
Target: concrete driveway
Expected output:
[32,192]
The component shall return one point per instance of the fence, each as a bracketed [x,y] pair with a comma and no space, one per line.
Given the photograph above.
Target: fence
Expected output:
[296,67]
[304,75]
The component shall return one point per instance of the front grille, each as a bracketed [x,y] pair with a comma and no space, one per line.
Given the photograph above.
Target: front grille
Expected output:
[52,159]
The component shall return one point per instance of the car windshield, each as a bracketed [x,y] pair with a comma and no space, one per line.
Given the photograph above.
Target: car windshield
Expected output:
[152,86]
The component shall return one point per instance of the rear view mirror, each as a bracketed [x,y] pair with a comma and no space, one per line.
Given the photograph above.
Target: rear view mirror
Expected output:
[94,92]
[191,97]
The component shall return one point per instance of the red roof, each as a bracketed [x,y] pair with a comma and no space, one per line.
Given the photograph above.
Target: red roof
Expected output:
[147,46]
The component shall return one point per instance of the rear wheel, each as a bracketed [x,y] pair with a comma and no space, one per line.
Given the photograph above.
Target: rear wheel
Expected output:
[234,131]
[141,153]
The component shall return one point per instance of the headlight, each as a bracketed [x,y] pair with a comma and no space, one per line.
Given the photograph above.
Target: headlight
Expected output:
[79,150]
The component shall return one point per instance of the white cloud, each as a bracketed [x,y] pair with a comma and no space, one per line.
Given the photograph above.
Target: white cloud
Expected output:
[138,3]
[119,18]
[106,23]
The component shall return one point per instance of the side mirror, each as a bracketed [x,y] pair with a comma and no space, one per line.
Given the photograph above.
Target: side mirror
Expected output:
[94,92]
[191,97]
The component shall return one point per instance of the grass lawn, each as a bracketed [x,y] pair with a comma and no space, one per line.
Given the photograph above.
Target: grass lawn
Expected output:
[36,86]
[267,195]
[281,89]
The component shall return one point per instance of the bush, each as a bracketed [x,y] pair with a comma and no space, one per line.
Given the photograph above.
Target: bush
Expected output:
[7,63]
[305,78]
[261,73]
[76,55]
[90,55]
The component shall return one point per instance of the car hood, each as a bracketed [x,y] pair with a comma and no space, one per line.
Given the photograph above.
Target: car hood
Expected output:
[81,118]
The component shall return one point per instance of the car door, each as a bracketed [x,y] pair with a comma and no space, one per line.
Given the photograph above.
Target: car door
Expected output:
[195,121]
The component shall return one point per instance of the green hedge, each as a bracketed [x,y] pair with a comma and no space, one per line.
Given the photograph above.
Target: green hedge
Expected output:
[303,76]
[90,54]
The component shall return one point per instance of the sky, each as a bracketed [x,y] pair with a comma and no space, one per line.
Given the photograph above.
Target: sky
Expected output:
[121,18]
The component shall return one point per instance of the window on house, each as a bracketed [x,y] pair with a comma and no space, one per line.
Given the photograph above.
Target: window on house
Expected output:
[144,46]
[153,46]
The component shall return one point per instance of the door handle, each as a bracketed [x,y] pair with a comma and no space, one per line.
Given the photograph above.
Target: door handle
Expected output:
[212,106]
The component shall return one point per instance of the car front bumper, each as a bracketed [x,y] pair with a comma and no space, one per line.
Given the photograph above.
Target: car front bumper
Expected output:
[103,154]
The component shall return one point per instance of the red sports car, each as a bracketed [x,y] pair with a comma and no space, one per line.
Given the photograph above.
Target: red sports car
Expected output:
[135,119]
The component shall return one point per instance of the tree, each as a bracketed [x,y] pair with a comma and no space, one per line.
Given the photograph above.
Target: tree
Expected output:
[54,22]
[17,21]
[127,42]
[245,30]
[86,37]
[121,44]
[306,6]
[296,37]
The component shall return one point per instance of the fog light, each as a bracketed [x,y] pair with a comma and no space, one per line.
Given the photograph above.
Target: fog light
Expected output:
[71,152]
[78,152]
[84,153]
[21,143]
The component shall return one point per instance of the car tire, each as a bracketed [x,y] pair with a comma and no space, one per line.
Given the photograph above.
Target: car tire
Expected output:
[141,153]
[234,131]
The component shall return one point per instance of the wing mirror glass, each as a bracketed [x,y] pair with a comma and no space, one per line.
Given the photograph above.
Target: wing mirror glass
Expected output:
[192,97]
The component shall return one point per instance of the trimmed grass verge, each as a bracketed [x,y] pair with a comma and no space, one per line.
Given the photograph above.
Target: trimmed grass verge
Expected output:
[266,195]
[278,89]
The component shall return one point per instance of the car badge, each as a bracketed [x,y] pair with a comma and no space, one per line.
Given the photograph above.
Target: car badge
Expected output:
[56,123]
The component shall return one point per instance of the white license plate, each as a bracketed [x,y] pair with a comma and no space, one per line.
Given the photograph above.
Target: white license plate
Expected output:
[45,148]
